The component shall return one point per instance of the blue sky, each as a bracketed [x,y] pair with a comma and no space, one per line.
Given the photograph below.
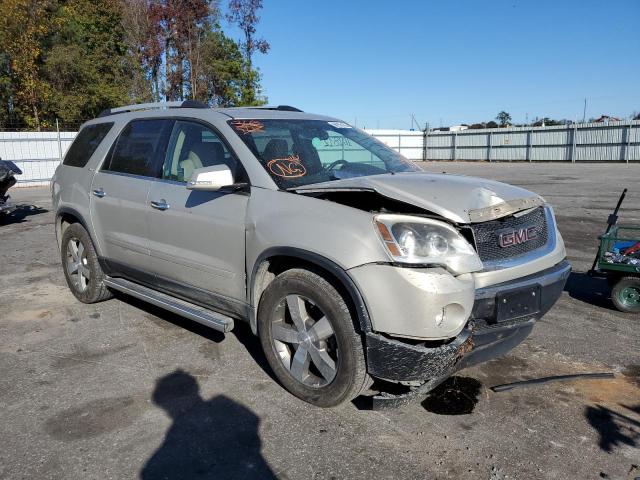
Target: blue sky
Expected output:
[452,62]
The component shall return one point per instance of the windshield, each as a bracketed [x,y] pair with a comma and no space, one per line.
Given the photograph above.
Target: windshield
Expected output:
[302,152]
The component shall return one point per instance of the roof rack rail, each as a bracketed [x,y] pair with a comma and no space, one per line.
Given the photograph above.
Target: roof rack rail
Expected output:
[283,108]
[153,106]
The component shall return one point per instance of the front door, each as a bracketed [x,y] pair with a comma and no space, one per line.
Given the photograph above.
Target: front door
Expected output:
[197,238]
[119,193]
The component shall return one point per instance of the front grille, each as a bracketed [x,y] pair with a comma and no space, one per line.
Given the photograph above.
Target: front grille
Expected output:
[486,235]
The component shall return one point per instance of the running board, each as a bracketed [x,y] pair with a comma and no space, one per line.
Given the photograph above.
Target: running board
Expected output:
[212,319]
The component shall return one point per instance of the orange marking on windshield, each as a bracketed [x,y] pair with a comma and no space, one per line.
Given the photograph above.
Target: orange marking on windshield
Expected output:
[248,126]
[289,167]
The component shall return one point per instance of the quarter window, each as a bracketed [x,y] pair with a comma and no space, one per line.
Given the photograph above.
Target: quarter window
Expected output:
[140,148]
[85,144]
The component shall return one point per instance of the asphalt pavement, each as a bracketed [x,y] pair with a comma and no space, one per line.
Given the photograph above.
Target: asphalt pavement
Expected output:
[121,389]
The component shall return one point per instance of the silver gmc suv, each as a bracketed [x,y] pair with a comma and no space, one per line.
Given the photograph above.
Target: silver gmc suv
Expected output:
[350,263]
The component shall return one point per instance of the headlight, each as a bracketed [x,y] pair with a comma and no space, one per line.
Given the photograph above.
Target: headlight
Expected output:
[418,240]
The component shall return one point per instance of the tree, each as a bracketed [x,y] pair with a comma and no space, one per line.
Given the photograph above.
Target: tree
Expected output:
[636,115]
[244,14]
[223,70]
[86,64]
[548,122]
[23,26]
[491,124]
[503,118]
[70,59]
[137,29]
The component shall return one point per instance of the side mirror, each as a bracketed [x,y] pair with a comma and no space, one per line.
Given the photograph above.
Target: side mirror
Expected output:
[210,178]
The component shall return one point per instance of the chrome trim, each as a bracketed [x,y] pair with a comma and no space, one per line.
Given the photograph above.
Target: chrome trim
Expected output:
[211,319]
[147,106]
[544,278]
[546,249]
[503,209]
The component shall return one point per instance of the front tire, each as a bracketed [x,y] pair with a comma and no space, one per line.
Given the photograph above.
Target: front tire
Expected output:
[308,336]
[626,295]
[81,267]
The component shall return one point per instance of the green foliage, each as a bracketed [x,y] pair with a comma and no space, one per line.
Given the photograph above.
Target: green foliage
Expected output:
[223,71]
[86,63]
[503,118]
[548,122]
[70,59]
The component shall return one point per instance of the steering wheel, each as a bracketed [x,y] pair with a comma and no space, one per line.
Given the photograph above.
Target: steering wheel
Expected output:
[333,165]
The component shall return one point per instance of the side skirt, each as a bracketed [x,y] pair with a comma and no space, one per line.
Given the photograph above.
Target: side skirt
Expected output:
[202,298]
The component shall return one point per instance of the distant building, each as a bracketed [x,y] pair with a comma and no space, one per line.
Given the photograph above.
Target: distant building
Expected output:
[452,128]
[606,119]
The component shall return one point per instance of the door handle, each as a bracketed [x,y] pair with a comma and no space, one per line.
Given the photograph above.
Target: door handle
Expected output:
[99,192]
[161,205]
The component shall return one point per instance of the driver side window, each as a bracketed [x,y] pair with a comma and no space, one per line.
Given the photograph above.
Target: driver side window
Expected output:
[193,146]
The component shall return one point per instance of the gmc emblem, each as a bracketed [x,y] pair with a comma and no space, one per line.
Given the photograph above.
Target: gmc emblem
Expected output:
[517,237]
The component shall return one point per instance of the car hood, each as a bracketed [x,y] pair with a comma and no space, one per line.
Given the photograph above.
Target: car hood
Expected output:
[458,198]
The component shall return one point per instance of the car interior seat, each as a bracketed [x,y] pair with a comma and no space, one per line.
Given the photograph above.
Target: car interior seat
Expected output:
[275,148]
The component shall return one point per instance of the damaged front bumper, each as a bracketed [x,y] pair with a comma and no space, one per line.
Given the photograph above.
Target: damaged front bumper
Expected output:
[490,333]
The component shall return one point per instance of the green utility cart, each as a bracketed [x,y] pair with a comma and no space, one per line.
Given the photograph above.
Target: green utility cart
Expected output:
[621,271]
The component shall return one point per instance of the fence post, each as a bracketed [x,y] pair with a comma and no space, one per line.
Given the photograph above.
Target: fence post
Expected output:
[59,142]
[399,142]
[626,150]
[455,145]
[425,145]
[529,140]
[573,143]
[489,147]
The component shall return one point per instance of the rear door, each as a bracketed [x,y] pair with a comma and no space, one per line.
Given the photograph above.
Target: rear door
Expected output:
[197,238]
[119,195]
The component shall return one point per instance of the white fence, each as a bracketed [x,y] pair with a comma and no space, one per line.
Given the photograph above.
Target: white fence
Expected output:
[38,154]
[588,142]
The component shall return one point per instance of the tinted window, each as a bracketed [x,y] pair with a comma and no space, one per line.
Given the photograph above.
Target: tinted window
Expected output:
[140,148]
[193,146]
[85,144]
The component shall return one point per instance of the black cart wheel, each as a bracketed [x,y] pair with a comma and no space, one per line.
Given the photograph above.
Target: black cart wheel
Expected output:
[626,295]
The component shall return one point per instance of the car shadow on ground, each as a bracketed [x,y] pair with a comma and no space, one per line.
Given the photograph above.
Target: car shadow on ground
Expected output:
[173,318]
[615,429]
[20,214]
[590,290]
[241,330]
[216,438]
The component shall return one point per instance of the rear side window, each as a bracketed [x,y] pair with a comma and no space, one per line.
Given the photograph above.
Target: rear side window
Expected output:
[85,144]
[140,148]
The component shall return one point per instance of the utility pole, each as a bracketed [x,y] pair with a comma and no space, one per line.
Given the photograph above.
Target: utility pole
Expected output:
[584,111]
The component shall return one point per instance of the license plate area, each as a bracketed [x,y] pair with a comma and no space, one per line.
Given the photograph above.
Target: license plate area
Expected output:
[520,303]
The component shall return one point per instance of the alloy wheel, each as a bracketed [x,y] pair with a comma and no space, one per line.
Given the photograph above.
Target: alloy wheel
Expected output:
[77,264]
[305,341]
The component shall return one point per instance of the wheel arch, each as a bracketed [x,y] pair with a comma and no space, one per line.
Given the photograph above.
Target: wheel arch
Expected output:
[66,216]
[276,260]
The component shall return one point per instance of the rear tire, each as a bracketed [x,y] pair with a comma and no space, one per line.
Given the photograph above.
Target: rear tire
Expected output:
[81,267]
[626,295]
[310,341]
